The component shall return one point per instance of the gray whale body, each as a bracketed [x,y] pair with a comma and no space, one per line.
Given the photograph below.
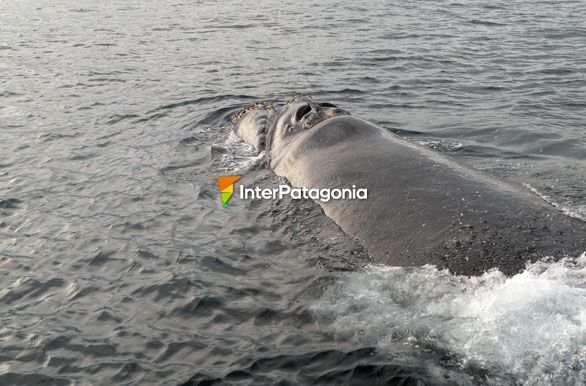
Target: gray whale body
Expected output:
[422,207]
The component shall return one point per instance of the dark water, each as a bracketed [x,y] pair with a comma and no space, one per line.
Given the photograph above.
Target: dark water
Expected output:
[119,266]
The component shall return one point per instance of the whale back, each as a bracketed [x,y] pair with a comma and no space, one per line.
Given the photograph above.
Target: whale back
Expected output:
[423,207]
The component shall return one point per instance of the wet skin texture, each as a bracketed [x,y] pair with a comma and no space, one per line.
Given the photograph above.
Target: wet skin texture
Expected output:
[422,207]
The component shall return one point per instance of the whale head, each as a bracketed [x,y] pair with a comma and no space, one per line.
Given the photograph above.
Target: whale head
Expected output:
[252,123]
[270,126]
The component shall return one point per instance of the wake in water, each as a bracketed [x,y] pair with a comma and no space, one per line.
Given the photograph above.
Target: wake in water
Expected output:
[237,156]
[572,211]
[529,328]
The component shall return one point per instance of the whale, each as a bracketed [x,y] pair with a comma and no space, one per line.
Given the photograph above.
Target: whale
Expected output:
[422,207]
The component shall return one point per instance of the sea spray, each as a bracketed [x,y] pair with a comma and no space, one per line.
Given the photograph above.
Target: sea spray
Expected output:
[530,327]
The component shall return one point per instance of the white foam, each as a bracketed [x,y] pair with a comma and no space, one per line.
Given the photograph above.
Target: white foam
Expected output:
[576,212]
[239,156]
[443,145]
[529,328]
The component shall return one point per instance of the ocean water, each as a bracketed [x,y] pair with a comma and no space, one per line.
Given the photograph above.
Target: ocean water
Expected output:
[118,265]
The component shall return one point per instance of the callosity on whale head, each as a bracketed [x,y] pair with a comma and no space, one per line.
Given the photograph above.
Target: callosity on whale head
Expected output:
[252,123]
[268,125]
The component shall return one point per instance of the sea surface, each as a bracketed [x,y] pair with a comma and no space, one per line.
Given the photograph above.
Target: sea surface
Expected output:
[118,265]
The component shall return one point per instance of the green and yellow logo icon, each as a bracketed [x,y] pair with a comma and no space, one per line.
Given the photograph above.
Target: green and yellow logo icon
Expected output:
[226,184]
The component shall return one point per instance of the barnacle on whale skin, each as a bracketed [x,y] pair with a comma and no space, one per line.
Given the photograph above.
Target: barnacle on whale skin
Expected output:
[268,106]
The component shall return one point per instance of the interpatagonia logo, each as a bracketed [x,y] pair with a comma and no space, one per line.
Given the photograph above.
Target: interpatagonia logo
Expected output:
[226,185]
[303,193]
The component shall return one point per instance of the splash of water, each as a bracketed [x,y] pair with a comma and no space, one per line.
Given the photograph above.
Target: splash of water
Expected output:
[237,156]
[529,328]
